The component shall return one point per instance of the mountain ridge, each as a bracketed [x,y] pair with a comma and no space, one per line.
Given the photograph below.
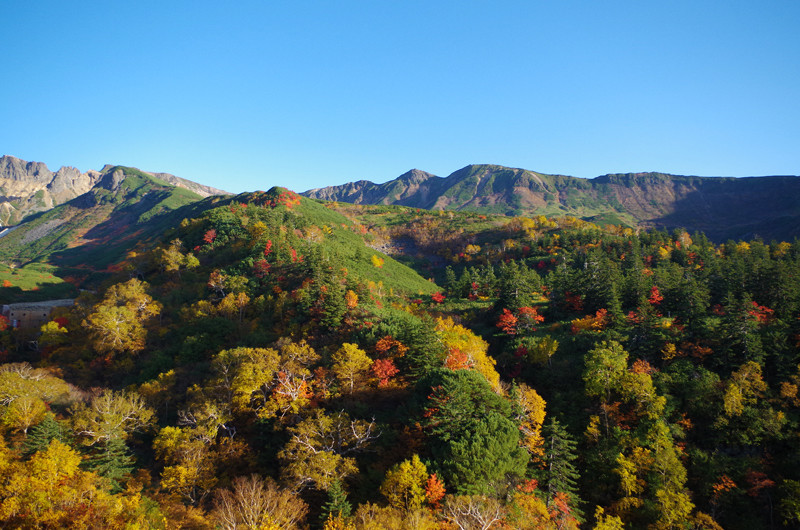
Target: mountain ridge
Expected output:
[722,207]
[27,188]
[124,207]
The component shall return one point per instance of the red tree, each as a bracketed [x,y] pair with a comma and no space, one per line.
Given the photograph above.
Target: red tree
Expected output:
[507,322]
[384,369]
[210,236]
[655,296]
[528,317]
[434,491]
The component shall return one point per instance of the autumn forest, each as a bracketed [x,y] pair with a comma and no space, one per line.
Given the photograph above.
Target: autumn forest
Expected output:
[278,362]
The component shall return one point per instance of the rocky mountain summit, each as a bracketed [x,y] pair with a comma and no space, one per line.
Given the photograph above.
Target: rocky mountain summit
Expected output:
[27,188]
[722,207]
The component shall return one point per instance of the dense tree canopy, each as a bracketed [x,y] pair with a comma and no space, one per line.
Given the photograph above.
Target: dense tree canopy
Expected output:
[266,364]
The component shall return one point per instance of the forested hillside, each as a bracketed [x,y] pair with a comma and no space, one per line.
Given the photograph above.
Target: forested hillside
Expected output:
[272,361]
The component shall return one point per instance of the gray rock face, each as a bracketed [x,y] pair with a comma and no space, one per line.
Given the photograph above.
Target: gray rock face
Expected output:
[30,187]
[112,180]
[18,170]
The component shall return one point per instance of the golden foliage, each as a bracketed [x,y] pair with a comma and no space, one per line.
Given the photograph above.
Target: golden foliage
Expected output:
[457,337]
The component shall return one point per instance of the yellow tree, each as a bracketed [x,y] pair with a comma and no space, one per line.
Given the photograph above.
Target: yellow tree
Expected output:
[24,412]
[51,491]
[543,350]
[350,363]
[233,305]
[117,323]
[351,299]
[245,376]
[25,392]
[111,415]
[254,502]
[473,511]
[53,334]
[170,258]
[318,452]
[458,338]
[526,510]
[607,522]
[531,407]
[189,470]
[265,381]
[371,516]
[404,484]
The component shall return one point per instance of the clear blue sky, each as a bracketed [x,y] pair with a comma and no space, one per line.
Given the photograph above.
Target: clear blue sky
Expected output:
[250,94]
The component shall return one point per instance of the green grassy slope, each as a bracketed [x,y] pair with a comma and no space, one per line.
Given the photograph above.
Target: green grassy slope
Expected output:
[97,228]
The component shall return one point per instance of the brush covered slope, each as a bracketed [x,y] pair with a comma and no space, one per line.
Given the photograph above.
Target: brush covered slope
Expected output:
[27,188]
[722,208]
[94,230]
[558,374]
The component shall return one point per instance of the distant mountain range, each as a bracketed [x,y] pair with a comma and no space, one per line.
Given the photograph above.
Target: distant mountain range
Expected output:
[30,187]
[722,207]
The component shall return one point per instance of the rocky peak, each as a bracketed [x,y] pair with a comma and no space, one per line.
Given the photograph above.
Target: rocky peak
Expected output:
[12,168]
[30,187]
[111,180]
[416,176]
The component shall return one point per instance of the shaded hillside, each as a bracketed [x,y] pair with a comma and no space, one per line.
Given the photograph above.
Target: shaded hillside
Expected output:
[95,229]
[30,187]
[721,207]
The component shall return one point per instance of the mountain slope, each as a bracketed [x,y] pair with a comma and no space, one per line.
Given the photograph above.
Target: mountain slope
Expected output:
[30,187]
[722,207]
[126,206]
[407,189]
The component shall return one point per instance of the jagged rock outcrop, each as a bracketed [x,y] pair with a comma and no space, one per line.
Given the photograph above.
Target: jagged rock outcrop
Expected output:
[27,188]
[30,187]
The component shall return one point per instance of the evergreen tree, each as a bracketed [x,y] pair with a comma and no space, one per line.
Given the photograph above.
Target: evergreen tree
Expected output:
[42,434]
[601,278]
[114,462]
[615,307]
[489,279]
[337,502]
[425,351]
[560,474]
[451,283]
[517,284]
[480,460]
[472,436]
[739,333]
[333,305]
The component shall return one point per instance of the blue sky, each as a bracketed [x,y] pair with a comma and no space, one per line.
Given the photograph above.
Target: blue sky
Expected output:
[246,95]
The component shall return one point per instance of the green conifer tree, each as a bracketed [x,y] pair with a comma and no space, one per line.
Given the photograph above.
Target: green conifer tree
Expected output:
[43,433]
[113,462]
[560,474]
[337,502]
